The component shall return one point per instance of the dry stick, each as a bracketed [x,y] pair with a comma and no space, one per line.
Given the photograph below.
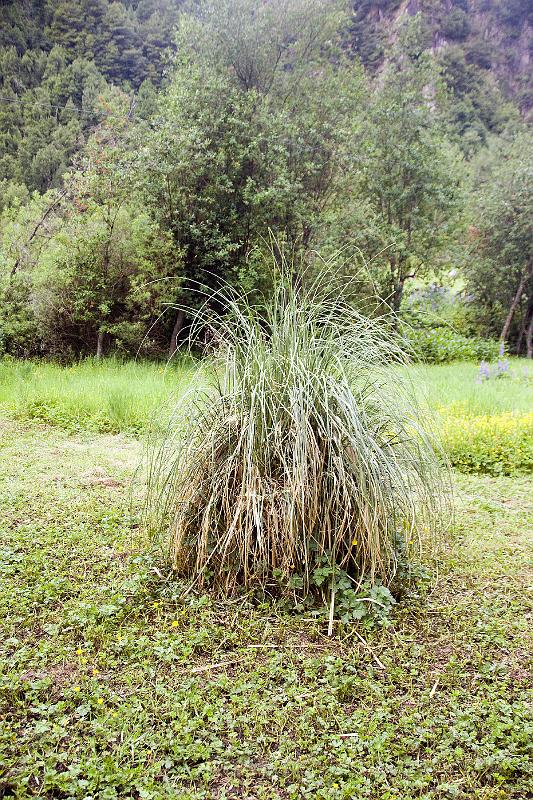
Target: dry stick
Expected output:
[207,667]
[291,646]
[331,611]
[374,656]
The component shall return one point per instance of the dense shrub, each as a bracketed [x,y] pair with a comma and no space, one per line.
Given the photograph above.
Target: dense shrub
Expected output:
[493,445]
[456,24]
[442,345]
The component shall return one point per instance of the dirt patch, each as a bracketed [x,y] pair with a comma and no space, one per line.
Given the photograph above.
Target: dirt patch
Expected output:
[60,674]
[99,477]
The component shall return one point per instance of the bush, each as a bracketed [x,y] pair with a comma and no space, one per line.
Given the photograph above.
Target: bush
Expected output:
[455,25]
[305,445]
[442,345]
[493,445]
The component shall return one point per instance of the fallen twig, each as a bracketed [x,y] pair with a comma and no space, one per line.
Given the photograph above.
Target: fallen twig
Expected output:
[331,611]
[207,667]
[374,656]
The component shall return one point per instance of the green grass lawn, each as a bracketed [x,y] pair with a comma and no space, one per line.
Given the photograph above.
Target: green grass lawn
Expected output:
[111,687]
[113,397]
[456,389]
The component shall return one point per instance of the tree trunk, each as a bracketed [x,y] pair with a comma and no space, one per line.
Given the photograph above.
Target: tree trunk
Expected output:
[514,305]
[522,333]
[529,336]
[178,325]
[397,296]
[100,344]
[397,302]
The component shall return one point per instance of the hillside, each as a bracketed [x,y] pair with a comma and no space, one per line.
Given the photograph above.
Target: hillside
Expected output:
[484,47]
[58,58]
[493,35]
[57,61]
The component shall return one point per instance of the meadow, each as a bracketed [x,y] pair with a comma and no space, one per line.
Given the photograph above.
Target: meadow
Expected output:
[105,397]
[112,396]
[113,686]
[485,425]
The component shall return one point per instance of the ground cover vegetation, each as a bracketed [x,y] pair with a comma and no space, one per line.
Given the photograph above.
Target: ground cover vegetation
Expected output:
[148,146]
[114,687]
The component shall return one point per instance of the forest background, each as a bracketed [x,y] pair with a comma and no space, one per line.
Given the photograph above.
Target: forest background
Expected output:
[153,149]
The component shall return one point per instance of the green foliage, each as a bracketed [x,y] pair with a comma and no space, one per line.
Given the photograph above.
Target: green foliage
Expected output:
[441,345]
[344,600]
[98,30]
[456,24]
[241,693]
[366,35]
[491,445]
[264,122]
[49,104]
[87,268]
[252,134]
[409,173]
[499,267]
[481,75]
[103,274]
[514,13]
[477,107]
[17,321]
[56,60]
[361,601]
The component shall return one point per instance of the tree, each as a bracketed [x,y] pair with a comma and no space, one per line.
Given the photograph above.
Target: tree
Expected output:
[157,23]
[500,264]
[86,267]
[49,107]
[409,176]
[119,52]
[252,134]
[99,280]
[26,225]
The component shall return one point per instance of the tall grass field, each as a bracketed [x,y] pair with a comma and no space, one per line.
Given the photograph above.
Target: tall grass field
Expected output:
[102,397]
[122,395]
[486,424]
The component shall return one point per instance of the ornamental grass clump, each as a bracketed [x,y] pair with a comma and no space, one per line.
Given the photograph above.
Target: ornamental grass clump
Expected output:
[300,443]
